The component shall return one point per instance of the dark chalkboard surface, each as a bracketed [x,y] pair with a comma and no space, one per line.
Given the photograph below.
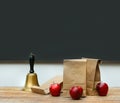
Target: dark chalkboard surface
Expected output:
[59,30]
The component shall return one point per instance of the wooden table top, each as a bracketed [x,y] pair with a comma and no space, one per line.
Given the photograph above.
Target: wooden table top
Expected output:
[16,95]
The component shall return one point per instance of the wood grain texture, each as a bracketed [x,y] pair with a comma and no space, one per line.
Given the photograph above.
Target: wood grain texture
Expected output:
[16,95]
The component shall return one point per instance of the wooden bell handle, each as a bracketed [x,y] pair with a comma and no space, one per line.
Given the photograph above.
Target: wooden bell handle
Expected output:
[31,61]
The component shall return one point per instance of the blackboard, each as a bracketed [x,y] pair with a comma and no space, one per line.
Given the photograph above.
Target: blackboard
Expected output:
[60,30]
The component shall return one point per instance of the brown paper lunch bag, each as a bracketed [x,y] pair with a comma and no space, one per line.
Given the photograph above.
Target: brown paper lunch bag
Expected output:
[83,72]
[74,73]
[92,75]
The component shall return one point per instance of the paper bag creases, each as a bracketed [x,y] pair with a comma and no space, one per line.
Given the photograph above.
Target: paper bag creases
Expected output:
[81,72]
[44,88]
[74,74]
[93,76]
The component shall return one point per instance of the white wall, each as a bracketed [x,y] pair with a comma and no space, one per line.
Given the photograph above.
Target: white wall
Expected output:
[110,73]
[15,74]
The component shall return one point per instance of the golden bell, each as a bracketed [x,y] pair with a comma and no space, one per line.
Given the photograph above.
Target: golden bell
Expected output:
[31,78]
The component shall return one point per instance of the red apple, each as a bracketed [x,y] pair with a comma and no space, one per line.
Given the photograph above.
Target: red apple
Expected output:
[55,89]
[76,92]
[102,88]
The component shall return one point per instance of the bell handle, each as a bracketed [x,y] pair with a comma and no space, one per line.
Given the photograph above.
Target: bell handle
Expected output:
[31,61]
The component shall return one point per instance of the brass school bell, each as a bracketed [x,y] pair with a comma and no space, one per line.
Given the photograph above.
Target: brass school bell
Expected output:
[31,78]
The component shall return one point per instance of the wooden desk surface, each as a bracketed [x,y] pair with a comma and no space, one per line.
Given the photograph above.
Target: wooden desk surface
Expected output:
[16,95]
